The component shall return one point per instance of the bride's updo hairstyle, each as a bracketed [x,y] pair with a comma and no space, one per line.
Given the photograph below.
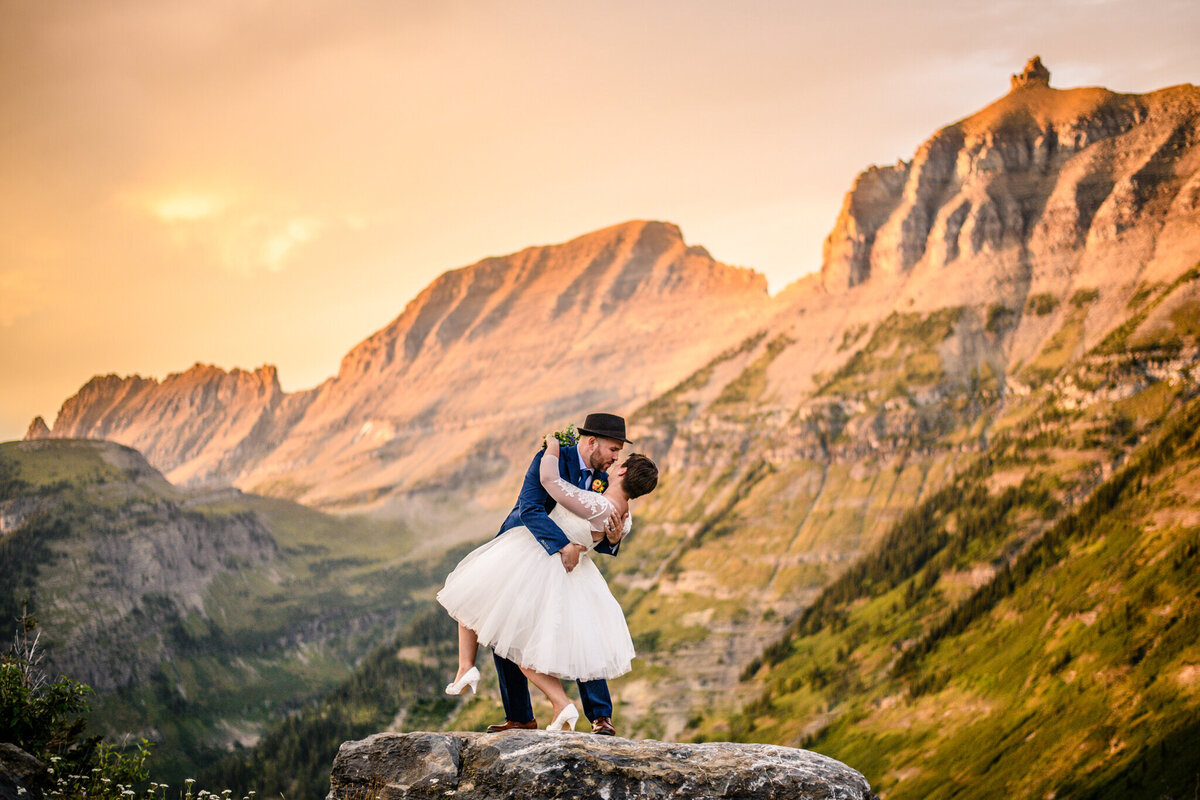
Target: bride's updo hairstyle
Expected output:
[641,475]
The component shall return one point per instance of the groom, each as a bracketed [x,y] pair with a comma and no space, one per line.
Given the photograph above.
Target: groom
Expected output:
[600,441]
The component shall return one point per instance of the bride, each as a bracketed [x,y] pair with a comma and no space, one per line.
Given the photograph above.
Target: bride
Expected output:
[512,597]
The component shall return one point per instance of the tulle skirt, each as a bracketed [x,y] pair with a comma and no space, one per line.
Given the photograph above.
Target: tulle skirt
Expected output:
[527,608]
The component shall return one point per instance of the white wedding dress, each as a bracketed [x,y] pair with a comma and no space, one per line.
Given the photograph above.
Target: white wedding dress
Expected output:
[523,603]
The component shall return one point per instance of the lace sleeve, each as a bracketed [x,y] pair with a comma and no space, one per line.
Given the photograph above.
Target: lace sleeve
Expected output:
[593,507]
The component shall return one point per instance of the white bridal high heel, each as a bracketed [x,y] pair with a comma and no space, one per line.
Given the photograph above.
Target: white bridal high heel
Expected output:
[469,678]
[566,719]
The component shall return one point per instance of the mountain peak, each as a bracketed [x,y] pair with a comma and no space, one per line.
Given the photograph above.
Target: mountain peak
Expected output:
[1061,165]
[584,278]
[602,320]
[37,430]
[1034,74]
[637,227]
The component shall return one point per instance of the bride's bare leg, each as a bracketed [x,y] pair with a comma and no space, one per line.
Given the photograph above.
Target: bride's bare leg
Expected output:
[551,687]
[468,649]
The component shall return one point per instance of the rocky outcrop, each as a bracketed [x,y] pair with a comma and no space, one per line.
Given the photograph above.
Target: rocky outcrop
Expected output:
[150,567]
[1034,74]
[37,430]
[530,765]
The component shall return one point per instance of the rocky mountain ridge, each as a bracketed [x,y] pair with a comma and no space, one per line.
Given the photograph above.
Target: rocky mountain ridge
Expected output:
[485,354]
[1046,192]
[1016,173]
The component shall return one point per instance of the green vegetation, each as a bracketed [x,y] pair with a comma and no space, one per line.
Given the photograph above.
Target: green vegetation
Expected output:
[999,317]
[1118,341]
[48,719]
[1041,304]
[250,608]
[901,354]
[294,757]
[1069,670]
[1084,297]
[669,406]
[1058,352]
[852,335]
[751,383]
[1143,293]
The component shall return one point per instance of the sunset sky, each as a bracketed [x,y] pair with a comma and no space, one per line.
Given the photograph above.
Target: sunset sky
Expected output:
[242,182]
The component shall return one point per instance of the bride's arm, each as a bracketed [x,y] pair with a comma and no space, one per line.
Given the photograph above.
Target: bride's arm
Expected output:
[593,507]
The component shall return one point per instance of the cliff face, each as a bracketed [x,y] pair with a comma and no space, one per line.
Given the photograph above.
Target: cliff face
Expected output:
[175,603]
[196,424]
[476,365]
[1041,171]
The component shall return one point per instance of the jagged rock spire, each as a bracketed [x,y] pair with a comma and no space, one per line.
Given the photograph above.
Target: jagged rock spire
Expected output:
[37,430]
[1034,74]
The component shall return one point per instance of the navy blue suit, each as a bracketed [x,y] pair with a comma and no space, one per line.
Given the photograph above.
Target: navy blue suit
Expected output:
[532,510]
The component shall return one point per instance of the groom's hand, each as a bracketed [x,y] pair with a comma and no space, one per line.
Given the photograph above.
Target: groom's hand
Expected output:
[570,555]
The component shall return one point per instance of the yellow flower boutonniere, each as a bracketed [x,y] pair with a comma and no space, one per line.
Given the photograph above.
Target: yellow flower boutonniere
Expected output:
[599,485]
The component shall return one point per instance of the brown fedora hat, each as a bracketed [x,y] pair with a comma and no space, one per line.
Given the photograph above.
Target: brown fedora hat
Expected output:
[606,426]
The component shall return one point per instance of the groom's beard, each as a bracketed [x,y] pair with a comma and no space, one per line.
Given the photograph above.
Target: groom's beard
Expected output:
[596,462]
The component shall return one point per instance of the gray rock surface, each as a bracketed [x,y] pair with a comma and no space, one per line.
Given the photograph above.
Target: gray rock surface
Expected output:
[22,777]
[531,765]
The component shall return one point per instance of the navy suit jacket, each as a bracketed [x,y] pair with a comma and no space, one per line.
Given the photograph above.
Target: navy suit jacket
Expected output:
[535,504]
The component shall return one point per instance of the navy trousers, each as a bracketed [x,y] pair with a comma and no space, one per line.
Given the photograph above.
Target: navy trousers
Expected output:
[514,692]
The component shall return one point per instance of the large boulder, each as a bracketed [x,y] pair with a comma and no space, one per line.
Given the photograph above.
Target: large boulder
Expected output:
[22,777]
[531,765]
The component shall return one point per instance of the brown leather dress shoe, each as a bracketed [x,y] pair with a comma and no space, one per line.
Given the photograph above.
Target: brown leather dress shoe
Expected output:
[509,725]
[603,726]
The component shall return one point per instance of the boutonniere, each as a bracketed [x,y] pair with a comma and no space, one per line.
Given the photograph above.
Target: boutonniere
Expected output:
[599,485]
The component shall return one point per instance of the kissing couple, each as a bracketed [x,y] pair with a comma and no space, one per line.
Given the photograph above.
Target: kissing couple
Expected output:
[532,593]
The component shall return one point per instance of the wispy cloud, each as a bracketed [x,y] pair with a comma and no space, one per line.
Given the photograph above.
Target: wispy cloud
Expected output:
[188,207]
[240,235]
[295,233]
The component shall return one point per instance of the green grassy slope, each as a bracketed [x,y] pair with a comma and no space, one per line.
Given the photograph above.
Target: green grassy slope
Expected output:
[1032,628]
[202,617]
[1066,670]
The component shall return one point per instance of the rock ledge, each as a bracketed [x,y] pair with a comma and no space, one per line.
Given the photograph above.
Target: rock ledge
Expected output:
[531,765]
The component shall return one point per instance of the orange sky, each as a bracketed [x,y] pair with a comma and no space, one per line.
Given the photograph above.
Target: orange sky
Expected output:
[243,182]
